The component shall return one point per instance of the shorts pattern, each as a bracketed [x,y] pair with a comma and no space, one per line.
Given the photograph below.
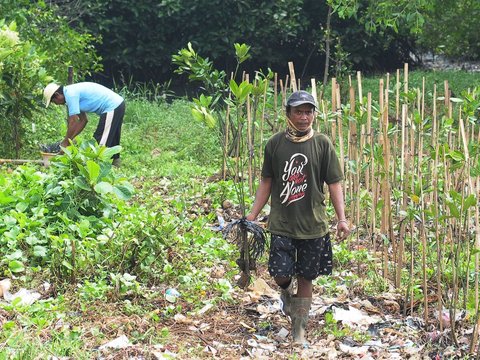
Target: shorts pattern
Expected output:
[306,258]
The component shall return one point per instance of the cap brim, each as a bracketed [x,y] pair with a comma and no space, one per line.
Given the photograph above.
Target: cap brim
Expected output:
[302,102]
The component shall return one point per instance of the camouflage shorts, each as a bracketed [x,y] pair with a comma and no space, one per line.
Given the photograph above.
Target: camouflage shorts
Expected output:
[306,258]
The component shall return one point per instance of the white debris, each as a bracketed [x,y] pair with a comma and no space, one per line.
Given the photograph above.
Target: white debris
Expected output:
[119,343]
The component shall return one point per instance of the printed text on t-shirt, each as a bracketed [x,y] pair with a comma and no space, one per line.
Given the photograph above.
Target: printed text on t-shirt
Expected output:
[294,179]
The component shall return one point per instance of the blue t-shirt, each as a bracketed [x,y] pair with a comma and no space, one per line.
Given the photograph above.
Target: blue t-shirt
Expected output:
[90,98]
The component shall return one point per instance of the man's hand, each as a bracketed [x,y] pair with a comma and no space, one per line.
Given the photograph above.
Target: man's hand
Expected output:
[250,217]
[343,229]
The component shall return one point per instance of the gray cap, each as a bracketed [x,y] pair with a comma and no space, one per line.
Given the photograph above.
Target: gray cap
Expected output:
[301,97]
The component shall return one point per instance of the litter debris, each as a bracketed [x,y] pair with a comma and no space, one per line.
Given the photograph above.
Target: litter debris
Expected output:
[283,333]
[5,285]
[205,309]
[353,316]
[261,288]
[171,295]
[27,297]
[445,318]
[119,343]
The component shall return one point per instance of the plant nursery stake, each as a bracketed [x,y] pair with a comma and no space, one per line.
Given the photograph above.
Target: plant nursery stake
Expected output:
[371,142]
[275,104]
[359,84]
[225,147]
[340,130]
[334,110]
[250,148]
[384,188]
[474,340]
[436,145]
[405,78]
[293,79]
[401,236]
[262,122]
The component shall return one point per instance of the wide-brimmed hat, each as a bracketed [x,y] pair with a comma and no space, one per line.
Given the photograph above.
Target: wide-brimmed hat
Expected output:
[48,93]
[301,97]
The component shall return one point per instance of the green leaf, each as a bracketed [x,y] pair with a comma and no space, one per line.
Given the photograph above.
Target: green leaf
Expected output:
[81,183]
[109,152]
[470,201]
[103,187]
[4,199]
[93,171]
[40,251]
[67,264]
[21,207]
[16,266]
[124,192]
[453,210]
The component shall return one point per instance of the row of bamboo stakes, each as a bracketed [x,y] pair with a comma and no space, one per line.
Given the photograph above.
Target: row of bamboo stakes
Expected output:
[403,166]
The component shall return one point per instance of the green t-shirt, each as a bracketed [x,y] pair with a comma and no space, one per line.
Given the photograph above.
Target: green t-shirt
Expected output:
[298,172]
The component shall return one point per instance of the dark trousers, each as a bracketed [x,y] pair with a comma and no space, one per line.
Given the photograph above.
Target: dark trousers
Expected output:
[109,128]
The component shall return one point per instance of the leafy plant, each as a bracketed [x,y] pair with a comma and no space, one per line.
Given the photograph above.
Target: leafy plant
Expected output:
[21,79]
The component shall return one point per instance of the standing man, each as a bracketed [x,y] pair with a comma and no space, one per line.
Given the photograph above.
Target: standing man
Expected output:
[88,97]
[297,163]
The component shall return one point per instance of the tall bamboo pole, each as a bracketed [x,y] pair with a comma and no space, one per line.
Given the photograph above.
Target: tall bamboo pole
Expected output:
[293,80]
[260,145]
[372,162]
[352,150]
[340,130]
[403,182]
[412,221]
[334,110]
[275,104]
[435,184]
[474,340]
[384,187]
[249,142]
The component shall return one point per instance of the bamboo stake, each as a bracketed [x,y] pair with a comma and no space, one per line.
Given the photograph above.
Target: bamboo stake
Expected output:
[249,142]
[474,340]
[405,78]
[387,167]
[334,110]
[260,146]
[412,223]
[401,238]
[275,103]
[351,145]
[354,156]
[293,81]
[447,94]
[359,84]
[372,161]
[314,94]
[435,184]
[20,161]
[384,189]
[340,131]
[424,263]
[225,148]
[325,116]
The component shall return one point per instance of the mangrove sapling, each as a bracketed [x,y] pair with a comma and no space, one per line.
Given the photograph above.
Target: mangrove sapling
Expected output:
[248,236]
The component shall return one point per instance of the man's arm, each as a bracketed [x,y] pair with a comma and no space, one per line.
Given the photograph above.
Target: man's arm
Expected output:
[261,198]
[75,125]
[336,196]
